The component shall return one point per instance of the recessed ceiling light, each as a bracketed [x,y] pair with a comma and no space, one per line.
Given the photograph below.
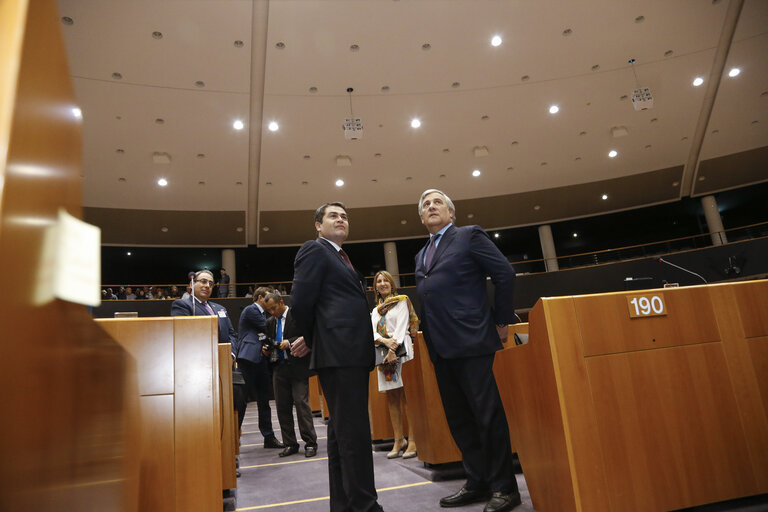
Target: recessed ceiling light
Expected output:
[514,143]
[238,44]
[377,155]
[578,158]
[128,253]
[305,183]
[684,139]
[596,67]
[354,48]
[119,151]
[495,235]
[640,19]
[613,153]
[537,207]
[648,146]
[159,120]
[567,32]
[384,88]
[239,229]
[668,53]
[623,97]
[313,89]
[415,122]
[238,183]
[339,182]
[200,83]
[269,183]
[374,180]
[426,47]
[162,182]
[265,228]
[604,196]
[121,179]
[456,85]
[238,125]
[715,132]
[476,173]
[403,221]
[67,20]
[734,72]
[273,126]
[117,76]
[484,118]
[77,112]
[675,183]
[157,35]
[441,176]
[470,215]
[307,157]
[543,164]
[698,81]
[525,78]
[201,155]
[280,45]
[582,133]
[654,119]
[496,40]
[575,235]
[510,168]
[201,182]
[702,178]
[164,229]
[446,150]
[554,109]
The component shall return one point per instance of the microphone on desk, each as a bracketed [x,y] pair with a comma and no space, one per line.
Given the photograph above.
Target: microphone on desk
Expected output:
[662,260]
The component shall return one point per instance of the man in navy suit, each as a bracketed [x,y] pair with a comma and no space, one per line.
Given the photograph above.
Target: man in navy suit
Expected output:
[198,305]
[463,333]
[329,305]
[253,365]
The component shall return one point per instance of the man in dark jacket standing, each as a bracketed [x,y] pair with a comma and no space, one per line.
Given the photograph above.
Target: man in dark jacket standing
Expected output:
[463,333]
[330,306]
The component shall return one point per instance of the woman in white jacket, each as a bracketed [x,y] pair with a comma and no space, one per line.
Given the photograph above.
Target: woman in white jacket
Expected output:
[394,324]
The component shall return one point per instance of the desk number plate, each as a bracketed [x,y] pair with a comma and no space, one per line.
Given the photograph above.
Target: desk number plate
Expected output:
[650,304]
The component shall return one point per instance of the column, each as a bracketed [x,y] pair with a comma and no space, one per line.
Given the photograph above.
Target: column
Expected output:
[390,261]
[228,262]
[714,221]
[548,248]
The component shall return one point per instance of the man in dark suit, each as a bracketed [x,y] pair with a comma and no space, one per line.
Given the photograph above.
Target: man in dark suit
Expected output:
[329,304]
[198,305]
[290,376]
[463,333]
[252,336]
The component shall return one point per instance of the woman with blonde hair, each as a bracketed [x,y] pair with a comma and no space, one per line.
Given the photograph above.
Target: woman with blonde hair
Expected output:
[394,324]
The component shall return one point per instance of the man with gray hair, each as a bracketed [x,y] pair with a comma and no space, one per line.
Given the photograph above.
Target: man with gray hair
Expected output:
[463,333]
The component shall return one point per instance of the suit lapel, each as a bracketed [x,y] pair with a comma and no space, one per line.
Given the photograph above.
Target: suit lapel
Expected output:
[352,270]
[445,241]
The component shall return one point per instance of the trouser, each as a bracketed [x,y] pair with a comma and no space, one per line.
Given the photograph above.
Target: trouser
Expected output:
[290,392]
[256,376]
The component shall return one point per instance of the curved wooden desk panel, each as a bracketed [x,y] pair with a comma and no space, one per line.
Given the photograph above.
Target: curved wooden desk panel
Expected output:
[605,423]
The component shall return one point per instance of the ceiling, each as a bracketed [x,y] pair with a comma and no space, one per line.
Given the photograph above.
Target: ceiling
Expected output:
[160,84]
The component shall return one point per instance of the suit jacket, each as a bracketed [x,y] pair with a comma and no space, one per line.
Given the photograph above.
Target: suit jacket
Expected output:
[293,367]
[183,307]
[456,316]
[252,322]
[329,305]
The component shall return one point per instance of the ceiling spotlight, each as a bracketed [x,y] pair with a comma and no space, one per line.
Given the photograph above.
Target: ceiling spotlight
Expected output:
[605,196]
[415,123]
[162,182]
[273,126]
[698,81]
[238,125]
[613,153]
[339,182]
[575,235]
[495,235]
[734,72]
[496,41]
[128,253]
[554,109]
[476,173]
[164,229]
[77,112]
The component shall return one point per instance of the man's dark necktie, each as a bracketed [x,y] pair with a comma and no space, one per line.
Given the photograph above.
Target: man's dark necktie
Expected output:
[346,258]
[431,250]
[208,309]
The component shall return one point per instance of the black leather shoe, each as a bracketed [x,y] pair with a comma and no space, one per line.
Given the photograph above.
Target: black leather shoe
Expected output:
[310,451]
[272,442]
[289,450]
[463,497]
[501,502]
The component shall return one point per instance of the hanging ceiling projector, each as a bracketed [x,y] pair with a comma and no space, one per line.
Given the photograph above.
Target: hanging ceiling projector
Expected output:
[353,126]
[642,99]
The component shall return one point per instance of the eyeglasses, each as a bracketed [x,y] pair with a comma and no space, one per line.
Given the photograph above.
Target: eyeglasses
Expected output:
[204,282]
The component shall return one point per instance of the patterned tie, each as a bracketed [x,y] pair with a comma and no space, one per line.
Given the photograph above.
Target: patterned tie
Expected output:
[346,258]
[208,309]
[431,250]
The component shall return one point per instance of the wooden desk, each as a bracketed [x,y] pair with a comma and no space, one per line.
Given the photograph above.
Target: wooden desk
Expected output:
[181,412]
[614,413]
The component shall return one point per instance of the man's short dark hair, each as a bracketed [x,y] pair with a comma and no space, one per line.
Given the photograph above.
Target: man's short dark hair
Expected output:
[320,212]
[274,296]
[204,271]
[261,291]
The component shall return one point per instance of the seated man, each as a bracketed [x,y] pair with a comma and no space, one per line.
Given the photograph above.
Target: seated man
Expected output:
[290,379]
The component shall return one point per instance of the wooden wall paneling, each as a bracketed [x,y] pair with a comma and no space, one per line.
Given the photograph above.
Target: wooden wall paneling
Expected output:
[606,327]
[155,359]
[531,399]
[501,371]
[314,394]
[669,428]
[65,447]
[157,491]
[228,420]
[582,438]
[433,438]
[738,313]
[196,413]
[378,410]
